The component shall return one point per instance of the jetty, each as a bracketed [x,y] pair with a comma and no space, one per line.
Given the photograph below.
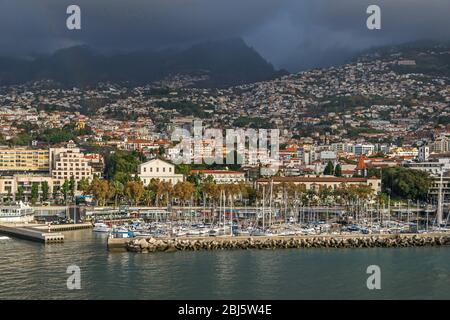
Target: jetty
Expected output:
[146,244]
[39,232]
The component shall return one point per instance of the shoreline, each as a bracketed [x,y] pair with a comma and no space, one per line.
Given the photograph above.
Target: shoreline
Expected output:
[150,245]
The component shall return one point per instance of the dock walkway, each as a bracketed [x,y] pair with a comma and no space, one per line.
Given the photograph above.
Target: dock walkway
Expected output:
[41,233]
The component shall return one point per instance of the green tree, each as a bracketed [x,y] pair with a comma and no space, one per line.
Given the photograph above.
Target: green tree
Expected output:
[120,165]
[406,183]
[338,170]
[83,185]
[119,189]
[72,187]
[100,189]
[65,189]
[20,192]
[134,191]
[56,192]
[45,190]
[329,169]
[34,192]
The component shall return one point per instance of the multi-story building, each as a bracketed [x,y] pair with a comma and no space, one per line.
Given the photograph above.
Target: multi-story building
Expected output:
[434,168]
[69,162]
[222,176]
[424,153]
[363,149]
[315,183]
[10,185]
[440,145]
[23,159]
[158,169]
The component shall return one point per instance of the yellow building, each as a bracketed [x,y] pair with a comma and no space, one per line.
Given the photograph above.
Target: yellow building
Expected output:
[24,159]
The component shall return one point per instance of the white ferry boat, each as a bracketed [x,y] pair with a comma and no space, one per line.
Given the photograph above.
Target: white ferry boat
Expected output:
[16,213]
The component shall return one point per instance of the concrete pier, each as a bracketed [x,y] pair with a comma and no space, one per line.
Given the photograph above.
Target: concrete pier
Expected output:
[29,233]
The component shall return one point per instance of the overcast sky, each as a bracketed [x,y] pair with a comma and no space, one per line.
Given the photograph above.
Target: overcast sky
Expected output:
[289,33]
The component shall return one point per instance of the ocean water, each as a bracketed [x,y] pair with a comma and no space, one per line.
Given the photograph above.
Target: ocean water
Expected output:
[30,270]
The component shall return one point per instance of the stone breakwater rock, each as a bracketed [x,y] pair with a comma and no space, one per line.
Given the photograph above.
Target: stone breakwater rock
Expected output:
[145,245]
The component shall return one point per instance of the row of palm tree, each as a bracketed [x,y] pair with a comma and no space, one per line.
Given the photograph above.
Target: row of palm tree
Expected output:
[204,191]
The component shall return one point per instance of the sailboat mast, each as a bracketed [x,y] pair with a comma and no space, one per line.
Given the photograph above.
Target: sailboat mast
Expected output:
[263,207]
[439,208]
[270,203]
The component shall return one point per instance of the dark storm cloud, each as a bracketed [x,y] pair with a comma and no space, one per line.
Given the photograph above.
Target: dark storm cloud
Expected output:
[317,32]
[291,33]
[126,24]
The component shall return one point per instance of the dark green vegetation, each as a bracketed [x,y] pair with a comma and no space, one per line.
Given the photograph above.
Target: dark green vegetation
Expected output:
[406,183]
[121,165]
[186,108]
[49,135]
[255,123]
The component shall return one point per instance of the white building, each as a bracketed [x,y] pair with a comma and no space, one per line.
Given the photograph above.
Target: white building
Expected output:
[158,169]
[69,162]
[424,153]
[363,149]
[222,176]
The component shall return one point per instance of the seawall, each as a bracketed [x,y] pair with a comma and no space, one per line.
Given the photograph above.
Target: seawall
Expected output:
[145,245]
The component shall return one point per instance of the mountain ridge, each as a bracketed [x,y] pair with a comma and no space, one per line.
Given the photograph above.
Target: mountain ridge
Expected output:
[226,62]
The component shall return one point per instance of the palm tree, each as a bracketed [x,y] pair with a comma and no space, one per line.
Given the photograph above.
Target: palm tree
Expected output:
[118,190]
[149,196]
[100,189]
[134,191]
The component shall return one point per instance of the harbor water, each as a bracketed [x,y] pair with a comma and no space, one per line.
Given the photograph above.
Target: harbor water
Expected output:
[30,270]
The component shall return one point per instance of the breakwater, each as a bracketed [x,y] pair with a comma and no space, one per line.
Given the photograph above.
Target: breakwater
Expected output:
[145,245]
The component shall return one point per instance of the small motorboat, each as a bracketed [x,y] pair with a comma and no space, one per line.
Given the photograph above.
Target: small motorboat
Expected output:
[122,232]
[4,238]
[101,227]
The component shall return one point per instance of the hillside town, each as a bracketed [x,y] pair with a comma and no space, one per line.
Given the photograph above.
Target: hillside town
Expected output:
[355,124]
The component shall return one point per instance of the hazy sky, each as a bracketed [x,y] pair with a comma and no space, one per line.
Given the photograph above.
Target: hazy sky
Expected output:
[289,33]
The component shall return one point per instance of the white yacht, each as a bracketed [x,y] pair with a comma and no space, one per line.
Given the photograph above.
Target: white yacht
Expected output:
[19,212]
[101,227]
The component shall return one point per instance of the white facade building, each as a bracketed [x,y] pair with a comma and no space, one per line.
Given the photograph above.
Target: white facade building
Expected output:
[222,176]
[158,169]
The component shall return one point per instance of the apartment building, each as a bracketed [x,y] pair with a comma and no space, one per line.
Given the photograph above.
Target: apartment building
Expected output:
[10,184]
[70,162]
[23,159]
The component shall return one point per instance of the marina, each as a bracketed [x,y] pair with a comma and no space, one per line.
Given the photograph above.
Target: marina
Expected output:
[315,273]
